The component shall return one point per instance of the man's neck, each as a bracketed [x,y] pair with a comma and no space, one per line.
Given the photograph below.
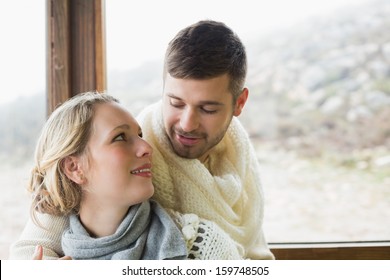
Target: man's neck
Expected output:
[204,158]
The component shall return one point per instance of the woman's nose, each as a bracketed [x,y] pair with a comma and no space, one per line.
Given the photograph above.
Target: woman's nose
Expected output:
[144,149]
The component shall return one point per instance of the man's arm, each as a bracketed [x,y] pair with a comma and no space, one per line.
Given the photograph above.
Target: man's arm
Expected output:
[260,250]
[205,239]
[48,236]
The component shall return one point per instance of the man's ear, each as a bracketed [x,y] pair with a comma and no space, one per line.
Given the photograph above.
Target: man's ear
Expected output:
[71,166]
[240,102]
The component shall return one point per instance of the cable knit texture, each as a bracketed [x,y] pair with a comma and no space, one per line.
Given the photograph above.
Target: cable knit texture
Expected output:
[206,240]
[228,193]
[49,236]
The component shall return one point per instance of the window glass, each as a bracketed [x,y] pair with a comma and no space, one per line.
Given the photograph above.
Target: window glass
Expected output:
[22,109]
[319,105]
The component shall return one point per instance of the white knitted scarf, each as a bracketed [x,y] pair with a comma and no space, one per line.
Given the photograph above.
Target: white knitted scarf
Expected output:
[229,194]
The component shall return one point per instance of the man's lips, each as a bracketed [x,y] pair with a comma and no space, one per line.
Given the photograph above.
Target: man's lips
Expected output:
[143,171]
[187,140]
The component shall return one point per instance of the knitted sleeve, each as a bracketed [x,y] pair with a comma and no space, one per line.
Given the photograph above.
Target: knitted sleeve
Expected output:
[205,239]
[49,236]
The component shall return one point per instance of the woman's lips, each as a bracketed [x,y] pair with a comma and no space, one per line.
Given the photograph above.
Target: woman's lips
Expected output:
[143,171]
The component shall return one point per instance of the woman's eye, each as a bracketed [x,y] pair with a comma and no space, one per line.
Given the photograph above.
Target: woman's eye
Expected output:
[120,137]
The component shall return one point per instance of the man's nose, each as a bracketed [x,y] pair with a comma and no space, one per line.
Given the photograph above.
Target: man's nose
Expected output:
[189,120]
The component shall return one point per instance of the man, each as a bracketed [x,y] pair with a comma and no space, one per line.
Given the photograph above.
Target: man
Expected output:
[203,161]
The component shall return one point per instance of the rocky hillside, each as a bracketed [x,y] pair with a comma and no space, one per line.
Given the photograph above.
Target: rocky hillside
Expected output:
[20,125]
[325,83]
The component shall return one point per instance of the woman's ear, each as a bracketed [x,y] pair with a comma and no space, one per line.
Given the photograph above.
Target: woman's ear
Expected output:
[240,102]
[71,166]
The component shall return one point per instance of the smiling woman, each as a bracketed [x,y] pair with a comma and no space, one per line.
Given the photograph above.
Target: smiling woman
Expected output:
[89,174]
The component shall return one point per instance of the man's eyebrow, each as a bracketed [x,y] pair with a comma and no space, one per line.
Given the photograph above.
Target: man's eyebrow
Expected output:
[171,95]
[205,102]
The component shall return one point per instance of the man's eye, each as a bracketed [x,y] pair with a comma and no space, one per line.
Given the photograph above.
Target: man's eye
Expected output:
[120,137]
[176,104]
[208,111]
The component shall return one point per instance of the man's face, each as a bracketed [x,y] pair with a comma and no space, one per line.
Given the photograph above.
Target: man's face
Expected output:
[197,113]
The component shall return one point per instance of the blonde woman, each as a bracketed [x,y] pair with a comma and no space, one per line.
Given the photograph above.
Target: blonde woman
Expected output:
[92,180]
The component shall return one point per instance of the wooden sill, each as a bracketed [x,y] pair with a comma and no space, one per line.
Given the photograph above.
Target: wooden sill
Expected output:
[375,250]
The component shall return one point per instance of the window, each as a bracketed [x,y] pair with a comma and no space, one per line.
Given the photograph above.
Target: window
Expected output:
[22,108]
[323,96]
[319,77]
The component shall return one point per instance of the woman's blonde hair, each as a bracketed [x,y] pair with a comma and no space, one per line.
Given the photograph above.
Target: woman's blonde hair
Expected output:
[66,133]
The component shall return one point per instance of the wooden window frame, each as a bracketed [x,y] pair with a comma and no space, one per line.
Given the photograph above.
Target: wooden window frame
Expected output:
[363,250]
[76,58]
[76,62]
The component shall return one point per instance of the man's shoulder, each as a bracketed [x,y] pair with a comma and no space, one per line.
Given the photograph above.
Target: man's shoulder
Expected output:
[237,128]
[144,118]
[147,111]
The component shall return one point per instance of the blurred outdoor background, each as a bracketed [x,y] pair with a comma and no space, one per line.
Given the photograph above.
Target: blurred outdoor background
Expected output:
[318,111]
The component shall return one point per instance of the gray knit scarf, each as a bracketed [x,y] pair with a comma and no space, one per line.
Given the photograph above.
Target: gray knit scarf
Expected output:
[146,233]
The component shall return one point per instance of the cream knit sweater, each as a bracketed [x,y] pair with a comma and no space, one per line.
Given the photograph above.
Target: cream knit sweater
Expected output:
[226,200]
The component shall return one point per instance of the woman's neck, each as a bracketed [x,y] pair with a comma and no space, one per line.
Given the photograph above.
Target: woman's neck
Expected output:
[102,221]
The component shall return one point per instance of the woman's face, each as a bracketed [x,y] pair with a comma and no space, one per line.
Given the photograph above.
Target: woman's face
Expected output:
[118,169]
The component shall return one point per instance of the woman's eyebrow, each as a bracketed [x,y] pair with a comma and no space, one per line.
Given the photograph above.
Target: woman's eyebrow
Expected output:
[122,126]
